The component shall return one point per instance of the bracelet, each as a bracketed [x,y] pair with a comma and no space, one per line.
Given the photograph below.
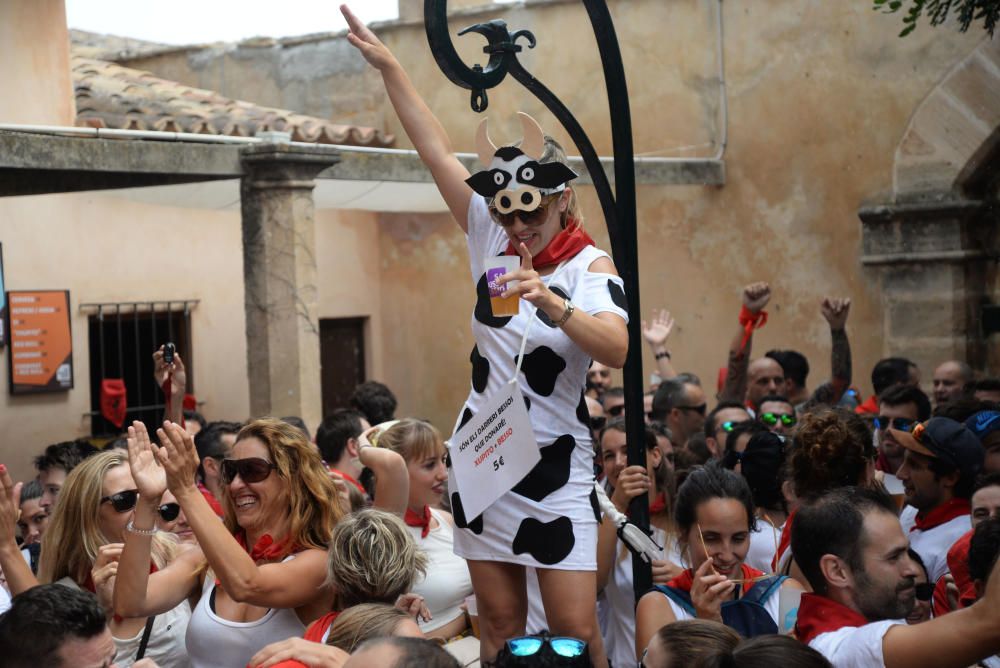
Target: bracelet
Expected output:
[570,307]
[663,353]
[131,528]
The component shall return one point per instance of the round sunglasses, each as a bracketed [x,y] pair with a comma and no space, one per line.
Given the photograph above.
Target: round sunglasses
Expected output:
[251,469]
[533,218]
[169,511]
[771,419]
[122,502]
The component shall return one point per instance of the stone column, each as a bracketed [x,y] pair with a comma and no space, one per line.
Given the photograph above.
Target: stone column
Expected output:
[279,270]
[932,258]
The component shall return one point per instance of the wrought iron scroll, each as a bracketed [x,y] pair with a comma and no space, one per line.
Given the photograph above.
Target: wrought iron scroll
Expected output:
[618,206]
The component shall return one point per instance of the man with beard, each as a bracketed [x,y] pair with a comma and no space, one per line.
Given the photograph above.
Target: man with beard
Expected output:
[852,550]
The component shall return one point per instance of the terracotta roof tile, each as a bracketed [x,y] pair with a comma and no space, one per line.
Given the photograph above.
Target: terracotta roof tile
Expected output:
[111,96]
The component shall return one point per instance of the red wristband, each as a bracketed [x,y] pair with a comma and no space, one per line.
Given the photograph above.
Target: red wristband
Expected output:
[750,322]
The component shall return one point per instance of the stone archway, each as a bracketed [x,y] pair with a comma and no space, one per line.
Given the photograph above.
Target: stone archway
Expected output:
[933,243]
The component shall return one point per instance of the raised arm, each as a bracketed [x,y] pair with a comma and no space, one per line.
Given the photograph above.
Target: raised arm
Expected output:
[392,478]
[177,375]
[421,126]
[289,584]
[755,298]
[137,593]
[656,335]
[835,312]
[958,639]
[15,568]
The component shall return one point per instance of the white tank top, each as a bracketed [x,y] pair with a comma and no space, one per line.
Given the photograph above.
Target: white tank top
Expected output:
[448,581]
[214,642]
[166,640]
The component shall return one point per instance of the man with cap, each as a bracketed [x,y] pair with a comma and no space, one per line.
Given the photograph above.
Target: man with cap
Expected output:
[986,427]
[938,473]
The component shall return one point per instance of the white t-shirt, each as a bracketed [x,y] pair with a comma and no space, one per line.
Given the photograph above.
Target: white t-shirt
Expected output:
[933,545]
[4,601]
[763,544]
[854,646]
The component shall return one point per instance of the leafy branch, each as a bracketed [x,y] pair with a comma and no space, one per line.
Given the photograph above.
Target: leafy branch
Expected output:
[937,11]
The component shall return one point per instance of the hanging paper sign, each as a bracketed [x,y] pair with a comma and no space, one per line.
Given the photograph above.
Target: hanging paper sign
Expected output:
[41,343]
[494,450]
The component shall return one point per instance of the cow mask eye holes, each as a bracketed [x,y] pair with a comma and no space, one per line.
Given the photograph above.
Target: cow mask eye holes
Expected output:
[500,178]
[526,174]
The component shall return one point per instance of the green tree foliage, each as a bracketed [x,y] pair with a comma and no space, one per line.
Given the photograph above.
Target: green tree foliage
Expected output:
[938,11]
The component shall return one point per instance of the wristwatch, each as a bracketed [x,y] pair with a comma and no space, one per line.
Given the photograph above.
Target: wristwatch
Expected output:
[570,307]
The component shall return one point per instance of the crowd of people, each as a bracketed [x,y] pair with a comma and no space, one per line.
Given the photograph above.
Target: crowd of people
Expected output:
[787,526]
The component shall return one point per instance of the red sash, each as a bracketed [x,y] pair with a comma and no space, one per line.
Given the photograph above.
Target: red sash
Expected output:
[571,240]
[785,542]
[819,614]
[422,520]
[946,512]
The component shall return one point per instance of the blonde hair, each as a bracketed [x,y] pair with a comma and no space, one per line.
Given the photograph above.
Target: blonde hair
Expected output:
[554,152]
[363,622]
[314,505]
[372,557]
[73,537]
[413,439]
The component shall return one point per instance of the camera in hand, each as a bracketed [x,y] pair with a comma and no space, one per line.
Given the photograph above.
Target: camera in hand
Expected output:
[168,353]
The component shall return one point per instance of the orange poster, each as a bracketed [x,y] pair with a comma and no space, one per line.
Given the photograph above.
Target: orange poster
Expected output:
[41,343]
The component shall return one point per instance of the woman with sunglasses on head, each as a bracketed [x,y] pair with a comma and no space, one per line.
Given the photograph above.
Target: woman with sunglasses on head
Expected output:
[522,205]
[81,548]
[266,563]
[715,515]
[614,561]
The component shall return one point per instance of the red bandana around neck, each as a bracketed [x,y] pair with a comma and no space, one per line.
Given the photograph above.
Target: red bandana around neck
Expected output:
[571,240]
[268,549]
[685,580]
[946,512]
[785,542]
[659,504]
[318,629]
[819,614]
[349,478]
[422,520]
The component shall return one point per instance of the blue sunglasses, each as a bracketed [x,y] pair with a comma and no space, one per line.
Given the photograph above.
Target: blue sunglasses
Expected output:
[902,424]
[531,645]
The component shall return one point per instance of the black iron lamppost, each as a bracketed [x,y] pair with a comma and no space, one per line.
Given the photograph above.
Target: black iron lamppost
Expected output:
[618,206]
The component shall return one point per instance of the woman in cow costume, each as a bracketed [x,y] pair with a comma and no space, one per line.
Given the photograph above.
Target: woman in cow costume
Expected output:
[521,204]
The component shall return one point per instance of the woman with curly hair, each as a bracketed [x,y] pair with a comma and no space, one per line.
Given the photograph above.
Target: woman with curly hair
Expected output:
[266,562]
[832,448]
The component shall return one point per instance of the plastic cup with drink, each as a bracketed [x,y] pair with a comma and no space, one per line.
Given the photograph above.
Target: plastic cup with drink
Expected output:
[495,268]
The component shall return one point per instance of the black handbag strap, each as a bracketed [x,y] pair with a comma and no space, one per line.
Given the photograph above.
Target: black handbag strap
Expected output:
[145,638]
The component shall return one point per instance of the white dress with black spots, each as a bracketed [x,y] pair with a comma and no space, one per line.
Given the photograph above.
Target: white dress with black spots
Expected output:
[549,519]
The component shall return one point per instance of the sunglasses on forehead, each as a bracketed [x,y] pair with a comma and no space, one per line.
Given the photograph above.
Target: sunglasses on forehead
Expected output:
[122,502]
[532,218]
[771,419]
[169,511]
[251,469]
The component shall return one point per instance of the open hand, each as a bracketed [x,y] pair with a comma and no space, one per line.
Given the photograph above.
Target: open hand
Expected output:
[659,328]
[178,457]
[756,296]
[150,478]
[365,41]
[835,311]
[10,506]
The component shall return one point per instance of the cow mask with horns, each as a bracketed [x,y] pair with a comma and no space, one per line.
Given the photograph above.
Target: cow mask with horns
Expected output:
[515,180]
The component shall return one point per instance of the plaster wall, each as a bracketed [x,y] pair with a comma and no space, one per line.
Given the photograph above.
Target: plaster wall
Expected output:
[34,63]
[819,96]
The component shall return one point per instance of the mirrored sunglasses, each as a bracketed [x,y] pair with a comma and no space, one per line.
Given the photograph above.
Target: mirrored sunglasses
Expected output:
[730,425]
[771,419]
[903,424]
[122,502]
[531,645]
[169,511]
[251,469]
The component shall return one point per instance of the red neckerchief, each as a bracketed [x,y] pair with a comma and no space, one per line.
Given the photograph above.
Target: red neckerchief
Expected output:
[785,542]
[318,628]
[659,504]
[750,322]
[819,614]
[870,407]
[685,580]
[212,501]
[882,464]
[348,478]
[571,240]
[423,520]
[944,513]
[266,548]
[88,584]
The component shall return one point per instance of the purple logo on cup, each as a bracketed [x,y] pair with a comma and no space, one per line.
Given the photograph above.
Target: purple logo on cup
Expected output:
[491,279]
